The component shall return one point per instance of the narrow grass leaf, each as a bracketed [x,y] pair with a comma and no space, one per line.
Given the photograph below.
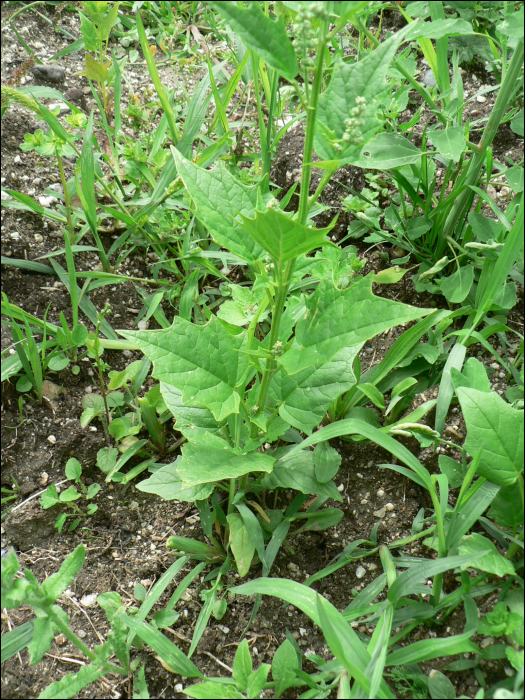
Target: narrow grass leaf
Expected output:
[169,653]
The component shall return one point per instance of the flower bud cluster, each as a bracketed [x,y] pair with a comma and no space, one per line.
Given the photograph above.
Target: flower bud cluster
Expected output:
[277,349]
[304,41]
[352,135]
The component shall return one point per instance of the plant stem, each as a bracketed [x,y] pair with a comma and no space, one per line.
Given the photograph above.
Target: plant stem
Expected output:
[69,241]
[284,280]
[477,161]
[310,128]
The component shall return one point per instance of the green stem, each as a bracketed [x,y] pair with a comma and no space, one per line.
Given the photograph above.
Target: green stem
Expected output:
[310,129]
[284,280]
[477,161]
[268,152]
[442,548]
[64,627]
[69,241]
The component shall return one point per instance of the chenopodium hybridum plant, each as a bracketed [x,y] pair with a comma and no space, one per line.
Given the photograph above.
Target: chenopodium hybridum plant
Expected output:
[233,393]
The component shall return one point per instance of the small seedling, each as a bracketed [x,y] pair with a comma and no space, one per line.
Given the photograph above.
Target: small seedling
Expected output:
[67,498]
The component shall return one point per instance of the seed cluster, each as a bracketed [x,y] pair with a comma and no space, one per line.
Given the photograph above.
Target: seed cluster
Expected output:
[305,40]
[352,135]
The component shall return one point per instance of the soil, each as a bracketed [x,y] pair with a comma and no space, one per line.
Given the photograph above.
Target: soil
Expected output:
[125,538]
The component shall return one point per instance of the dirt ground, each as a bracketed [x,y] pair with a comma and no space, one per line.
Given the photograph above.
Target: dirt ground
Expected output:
[125,538]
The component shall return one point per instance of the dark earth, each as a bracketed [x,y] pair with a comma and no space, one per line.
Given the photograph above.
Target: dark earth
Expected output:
[125,539]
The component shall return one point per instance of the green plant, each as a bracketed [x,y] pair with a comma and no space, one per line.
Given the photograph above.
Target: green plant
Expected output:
[359,664]
[234,392]
[432,215]
[32,357]
[124,414]
[127,630]
[96,27]
[67,498]
[9,495]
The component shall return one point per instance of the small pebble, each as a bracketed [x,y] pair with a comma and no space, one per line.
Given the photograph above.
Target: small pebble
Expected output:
[47,201]
[481,98]
[429,79]
[380,493]
[51,439]
[360,572]
[389,507]
[55,74]
[89,600]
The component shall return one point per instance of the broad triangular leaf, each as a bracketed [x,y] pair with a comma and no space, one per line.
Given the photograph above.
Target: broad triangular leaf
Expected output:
[219,198]
[304,398]
[167,483]
[363,80]
[337,319]
[282,237]
[449,142]
[497,427]
[209,458]
[203,362]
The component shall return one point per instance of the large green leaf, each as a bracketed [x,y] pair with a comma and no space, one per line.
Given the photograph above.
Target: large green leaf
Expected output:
[304,398]
[389,151]
[219,198]
[337,319]
[209,458]
[456,287]
[364,79]
[167,483]
[266,37]
[282,237]
[449,142]
[497,427]
[284,667]
[507,507]
[203,362]
[492,561]
[298,473]
[189,420]
[241,543]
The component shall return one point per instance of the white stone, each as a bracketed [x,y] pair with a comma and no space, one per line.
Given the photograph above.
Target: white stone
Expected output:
[360,572]
[47,201]
[481,98]
[88,601]
[51,439]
